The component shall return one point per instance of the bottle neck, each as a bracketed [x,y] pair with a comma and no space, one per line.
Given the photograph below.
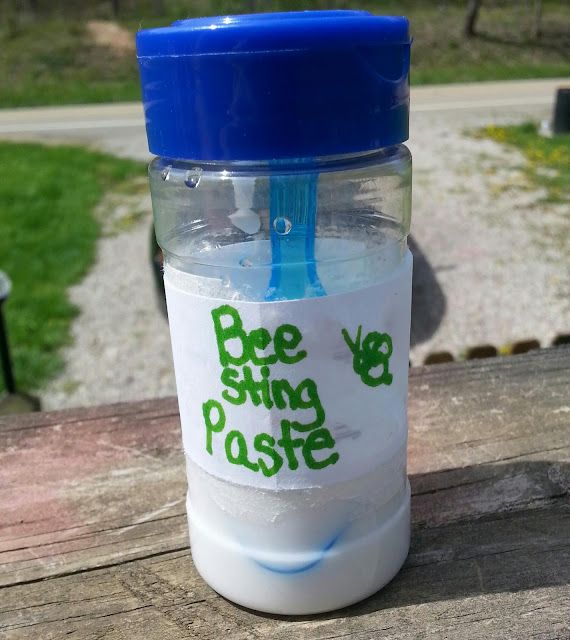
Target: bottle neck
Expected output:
[287,165]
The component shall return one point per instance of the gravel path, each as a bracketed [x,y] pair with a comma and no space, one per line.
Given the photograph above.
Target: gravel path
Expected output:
[491,267]
[121,347]
[499,255]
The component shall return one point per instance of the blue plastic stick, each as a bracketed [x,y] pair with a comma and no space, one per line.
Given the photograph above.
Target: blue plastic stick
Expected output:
[293,217]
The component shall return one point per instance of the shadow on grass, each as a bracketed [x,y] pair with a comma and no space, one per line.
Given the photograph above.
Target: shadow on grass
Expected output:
[550,41]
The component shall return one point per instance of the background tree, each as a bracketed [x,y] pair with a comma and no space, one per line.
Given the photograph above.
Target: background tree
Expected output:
[473,7]
[537,19]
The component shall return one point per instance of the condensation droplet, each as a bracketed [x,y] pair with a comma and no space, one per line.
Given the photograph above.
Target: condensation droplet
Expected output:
[225,281]
[282,225]
[192,178]
[246,262]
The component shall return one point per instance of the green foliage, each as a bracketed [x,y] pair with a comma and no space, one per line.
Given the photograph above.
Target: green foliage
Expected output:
[49,60]
[47,243]
[548,159]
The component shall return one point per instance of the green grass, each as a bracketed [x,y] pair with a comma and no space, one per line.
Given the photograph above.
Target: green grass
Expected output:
[503,50]
[548,159]
[47,243]
[49,60]
[51,63]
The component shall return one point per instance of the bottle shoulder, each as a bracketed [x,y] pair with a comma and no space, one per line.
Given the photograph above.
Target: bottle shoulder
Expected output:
[395,154]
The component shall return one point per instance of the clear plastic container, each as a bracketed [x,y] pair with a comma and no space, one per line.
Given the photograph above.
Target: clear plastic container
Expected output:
[272,550]
[212,220]
[288,284]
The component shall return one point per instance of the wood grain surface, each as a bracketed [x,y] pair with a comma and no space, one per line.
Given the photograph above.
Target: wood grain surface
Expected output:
[93,536]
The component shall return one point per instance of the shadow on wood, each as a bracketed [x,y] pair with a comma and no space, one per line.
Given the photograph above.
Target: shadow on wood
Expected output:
[488,529]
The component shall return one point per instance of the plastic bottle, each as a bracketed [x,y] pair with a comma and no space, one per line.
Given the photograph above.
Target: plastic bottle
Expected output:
[281,197]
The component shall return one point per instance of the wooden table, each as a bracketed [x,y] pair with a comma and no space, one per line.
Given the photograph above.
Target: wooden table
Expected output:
[93,538]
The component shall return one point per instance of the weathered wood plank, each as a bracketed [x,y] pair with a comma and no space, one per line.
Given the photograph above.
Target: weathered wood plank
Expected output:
[499,577]
[490,471]
[82,489]
[490,410]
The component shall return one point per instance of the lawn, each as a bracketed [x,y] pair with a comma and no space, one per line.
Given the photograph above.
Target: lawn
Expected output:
[48,242]
[548,159]
[50,60]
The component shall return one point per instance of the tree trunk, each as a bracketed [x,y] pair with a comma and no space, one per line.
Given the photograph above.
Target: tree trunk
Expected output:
[537,19]
[115,7]
[471,17]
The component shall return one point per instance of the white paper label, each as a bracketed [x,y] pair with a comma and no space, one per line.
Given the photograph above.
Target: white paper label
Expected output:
[293,394]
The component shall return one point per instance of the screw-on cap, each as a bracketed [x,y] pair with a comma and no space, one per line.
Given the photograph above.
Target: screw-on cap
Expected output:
[275,85]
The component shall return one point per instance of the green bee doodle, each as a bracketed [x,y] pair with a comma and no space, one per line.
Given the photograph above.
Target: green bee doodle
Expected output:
[375,351]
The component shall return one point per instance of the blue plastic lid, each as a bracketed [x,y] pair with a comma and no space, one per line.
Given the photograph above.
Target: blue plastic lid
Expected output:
[275,85]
